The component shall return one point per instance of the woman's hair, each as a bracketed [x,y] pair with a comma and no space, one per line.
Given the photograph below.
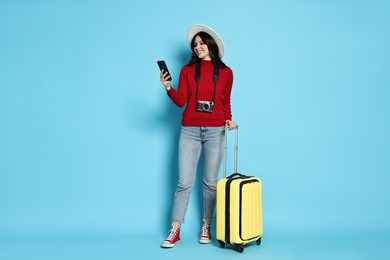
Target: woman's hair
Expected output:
[213,49]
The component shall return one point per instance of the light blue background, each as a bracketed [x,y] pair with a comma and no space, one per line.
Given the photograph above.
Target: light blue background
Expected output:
[88,136]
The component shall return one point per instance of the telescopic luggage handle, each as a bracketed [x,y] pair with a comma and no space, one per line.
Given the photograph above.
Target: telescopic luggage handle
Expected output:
[235,151]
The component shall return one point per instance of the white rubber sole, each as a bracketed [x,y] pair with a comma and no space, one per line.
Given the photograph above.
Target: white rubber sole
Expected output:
[204,241]
[168,245]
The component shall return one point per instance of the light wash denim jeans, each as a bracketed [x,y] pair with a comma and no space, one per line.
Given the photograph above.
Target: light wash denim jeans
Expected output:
[194,140]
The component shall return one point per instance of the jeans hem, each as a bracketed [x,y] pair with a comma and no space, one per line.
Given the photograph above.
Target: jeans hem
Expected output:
[178,221]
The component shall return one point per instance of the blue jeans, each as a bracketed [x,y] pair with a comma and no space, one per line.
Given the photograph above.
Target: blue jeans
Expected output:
[191,143]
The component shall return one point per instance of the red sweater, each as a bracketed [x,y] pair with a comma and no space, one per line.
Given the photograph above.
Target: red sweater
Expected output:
[186,95]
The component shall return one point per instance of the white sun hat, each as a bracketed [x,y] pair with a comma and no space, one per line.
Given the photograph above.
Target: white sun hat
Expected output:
[204,28]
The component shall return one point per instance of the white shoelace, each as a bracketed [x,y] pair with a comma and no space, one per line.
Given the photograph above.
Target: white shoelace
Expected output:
[173,233]
[205,230]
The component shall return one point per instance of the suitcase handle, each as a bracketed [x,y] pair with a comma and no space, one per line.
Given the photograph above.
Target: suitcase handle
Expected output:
[237,175]
[235,152]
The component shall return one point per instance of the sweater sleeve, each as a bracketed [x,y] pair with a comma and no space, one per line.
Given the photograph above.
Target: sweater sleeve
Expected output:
[227,94]
[180,96]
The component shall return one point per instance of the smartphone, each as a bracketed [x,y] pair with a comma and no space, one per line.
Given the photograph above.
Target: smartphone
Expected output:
[163,66]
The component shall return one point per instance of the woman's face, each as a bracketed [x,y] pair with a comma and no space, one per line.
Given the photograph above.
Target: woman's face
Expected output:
[201,49]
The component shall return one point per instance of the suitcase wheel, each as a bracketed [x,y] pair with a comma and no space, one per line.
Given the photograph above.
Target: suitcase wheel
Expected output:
[221,243]
[239,248]
[258,241]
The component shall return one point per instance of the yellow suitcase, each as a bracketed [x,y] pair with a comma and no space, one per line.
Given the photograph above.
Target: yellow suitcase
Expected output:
[239,208]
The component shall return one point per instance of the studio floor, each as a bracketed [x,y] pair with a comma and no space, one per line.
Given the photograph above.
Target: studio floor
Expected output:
[280,246]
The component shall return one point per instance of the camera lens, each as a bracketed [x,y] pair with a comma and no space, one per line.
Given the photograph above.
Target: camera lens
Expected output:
[206,106]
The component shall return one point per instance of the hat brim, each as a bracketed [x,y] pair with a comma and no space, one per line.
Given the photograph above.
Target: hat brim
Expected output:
[204,28]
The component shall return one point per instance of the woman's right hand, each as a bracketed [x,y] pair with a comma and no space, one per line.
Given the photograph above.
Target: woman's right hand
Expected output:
[164,80]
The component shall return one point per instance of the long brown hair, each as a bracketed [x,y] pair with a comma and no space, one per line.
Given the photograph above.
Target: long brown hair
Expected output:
[213,49]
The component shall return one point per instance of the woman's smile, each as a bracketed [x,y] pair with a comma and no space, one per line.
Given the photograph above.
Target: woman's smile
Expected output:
[201,49]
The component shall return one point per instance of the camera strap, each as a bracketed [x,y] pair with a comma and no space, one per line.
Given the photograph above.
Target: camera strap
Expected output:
[215,78]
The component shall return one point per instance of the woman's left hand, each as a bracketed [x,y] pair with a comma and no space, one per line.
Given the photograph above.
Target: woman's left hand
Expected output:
[230,124]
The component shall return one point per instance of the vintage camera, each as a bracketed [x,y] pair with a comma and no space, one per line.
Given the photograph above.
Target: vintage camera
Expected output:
[204,106]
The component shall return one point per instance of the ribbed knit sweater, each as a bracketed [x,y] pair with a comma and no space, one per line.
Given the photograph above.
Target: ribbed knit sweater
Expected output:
[185,94]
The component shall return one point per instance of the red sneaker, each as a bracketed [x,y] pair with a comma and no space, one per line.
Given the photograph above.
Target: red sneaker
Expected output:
[173,238]
[205,236]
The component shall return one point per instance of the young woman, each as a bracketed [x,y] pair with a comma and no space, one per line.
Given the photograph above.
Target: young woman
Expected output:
[205,85]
